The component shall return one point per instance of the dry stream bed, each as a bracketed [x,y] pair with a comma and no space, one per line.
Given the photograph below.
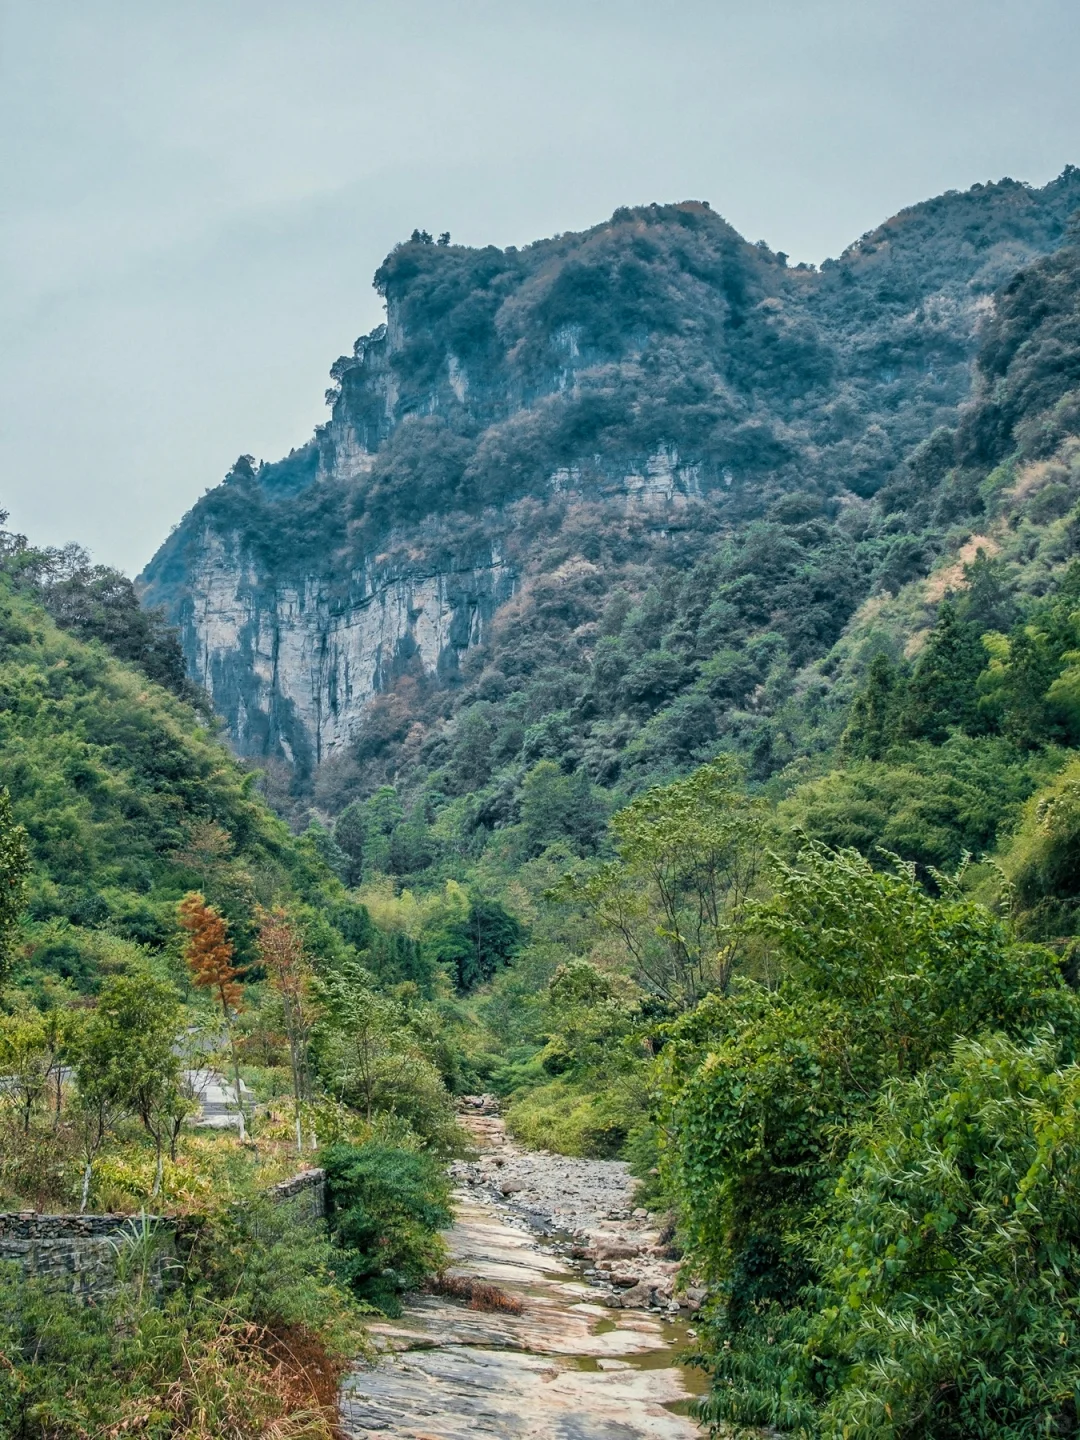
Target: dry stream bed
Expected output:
[593,1353]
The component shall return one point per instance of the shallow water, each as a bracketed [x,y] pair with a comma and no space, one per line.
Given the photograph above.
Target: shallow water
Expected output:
[566,1368]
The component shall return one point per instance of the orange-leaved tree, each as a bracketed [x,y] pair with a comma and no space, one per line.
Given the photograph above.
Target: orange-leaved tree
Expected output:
[209,953]
[281,946]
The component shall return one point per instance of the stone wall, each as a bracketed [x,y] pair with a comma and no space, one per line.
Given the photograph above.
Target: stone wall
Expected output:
[79,1253]
[305,1194]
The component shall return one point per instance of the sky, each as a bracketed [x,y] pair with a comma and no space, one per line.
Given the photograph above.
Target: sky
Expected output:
[194,194]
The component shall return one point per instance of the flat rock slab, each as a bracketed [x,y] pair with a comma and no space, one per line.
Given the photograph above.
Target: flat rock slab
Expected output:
[565,1368]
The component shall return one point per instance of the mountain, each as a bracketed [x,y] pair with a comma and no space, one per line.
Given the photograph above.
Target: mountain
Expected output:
[600,501]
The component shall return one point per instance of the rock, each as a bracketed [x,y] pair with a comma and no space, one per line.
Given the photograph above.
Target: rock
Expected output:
[510,1187]
[617,1250]
[637,1297]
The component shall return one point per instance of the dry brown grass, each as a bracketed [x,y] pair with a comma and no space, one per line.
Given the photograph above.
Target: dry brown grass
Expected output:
[479,1294]
[951,577]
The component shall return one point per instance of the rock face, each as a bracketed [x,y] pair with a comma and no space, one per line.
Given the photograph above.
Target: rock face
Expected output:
[560,1361]
[653,376]
[290,666]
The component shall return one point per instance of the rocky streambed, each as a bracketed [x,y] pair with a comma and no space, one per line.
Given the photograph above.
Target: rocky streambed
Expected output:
[589,1347]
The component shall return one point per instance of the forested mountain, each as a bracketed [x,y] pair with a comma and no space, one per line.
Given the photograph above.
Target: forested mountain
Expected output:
[680,654]
[599,501]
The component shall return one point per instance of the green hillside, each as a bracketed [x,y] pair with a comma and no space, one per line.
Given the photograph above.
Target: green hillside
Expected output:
[128,798]
[744,848]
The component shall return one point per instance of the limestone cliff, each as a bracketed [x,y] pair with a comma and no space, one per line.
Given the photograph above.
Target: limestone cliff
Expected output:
[615,401]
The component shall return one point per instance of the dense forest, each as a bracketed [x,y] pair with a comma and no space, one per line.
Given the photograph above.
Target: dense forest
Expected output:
[747,852]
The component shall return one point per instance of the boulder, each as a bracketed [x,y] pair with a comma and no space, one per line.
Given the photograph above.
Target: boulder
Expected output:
[617,1250]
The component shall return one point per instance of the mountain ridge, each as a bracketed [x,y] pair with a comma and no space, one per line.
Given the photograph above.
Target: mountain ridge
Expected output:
[655,381]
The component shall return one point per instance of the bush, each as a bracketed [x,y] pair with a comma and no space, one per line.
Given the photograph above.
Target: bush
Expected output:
[571,1121]
[951,1306]
[250,1341]
[385,1207]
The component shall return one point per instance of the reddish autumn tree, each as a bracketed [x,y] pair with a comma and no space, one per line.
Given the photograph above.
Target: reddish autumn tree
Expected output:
[281,946]
[209,953]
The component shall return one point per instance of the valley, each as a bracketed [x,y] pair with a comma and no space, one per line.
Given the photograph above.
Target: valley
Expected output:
[610,802]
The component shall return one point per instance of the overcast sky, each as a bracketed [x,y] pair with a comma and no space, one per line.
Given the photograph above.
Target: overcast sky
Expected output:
[195,193]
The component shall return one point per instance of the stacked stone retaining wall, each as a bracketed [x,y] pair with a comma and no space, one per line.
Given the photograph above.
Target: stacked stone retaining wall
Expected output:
[79,1253]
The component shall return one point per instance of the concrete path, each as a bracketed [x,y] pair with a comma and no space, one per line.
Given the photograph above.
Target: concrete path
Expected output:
[218,1109]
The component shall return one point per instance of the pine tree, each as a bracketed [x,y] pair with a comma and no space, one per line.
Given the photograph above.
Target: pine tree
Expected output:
[209,954]
[942,691]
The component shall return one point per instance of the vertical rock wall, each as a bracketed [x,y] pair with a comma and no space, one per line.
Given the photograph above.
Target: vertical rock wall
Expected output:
[290,666]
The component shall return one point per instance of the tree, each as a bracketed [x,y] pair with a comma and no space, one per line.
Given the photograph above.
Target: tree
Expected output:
[770,1088]
[209,954]
[27,1060]
[350,833]
[385,1208]
[97,602]
[281,946]
[942,689]
[369,1050]
[953,1267]
[689,856]
[126,1063]
[556,806]
[152,1012]
[478,944]
[325,846]
[875,712]
[14,871]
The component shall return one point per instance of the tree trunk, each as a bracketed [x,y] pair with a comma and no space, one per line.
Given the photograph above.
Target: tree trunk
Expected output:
[86,1186]
[159,1170]
[290,1028]
[236,1069]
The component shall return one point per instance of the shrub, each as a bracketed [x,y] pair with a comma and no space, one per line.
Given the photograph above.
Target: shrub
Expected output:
[385,1207]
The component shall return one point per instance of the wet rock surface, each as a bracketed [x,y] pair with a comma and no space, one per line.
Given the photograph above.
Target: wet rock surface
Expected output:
[574,1364]
[585,1208]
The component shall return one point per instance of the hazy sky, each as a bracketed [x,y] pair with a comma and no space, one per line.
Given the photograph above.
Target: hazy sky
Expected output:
[195,193]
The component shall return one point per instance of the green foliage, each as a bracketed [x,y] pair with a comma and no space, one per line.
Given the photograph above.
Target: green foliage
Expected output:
[126,1059]
[385,1208]
[380,1056]
[96,602]
[688,860]
[1042,864]
[949,1305]
[123,802]
[14,869]
[477,944]
[768,1089]
[930,804]
[941,693]
[557,807]
[220,1352]
[597,1027]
